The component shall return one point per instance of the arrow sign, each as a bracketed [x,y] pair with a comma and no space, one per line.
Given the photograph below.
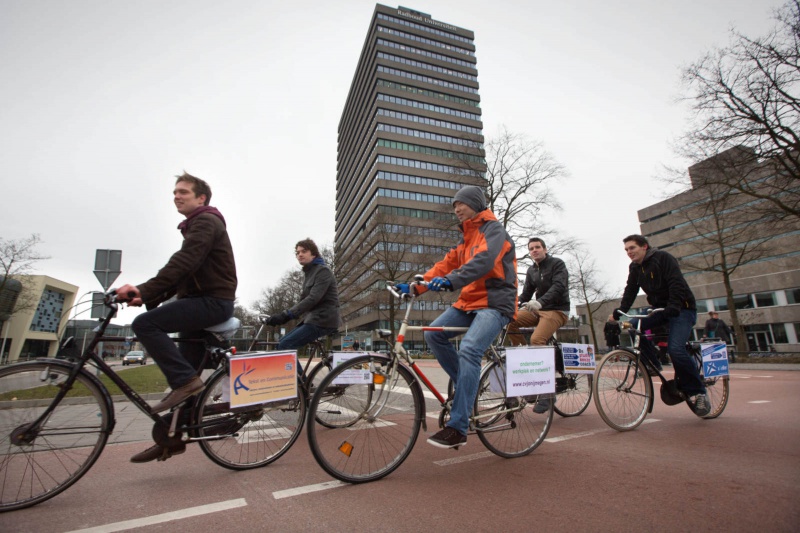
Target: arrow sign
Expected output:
[107,264]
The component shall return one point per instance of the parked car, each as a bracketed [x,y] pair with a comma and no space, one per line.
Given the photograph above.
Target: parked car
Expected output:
[134,357]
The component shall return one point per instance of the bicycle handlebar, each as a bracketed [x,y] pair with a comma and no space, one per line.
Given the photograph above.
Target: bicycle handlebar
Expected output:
[650,313]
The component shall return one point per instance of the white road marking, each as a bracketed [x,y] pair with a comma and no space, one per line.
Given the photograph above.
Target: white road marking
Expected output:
[463,458]
[760,401]
[166,517]
[288,493]
[571,436]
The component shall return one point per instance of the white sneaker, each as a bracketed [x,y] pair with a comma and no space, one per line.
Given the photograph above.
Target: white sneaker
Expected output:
[699,405]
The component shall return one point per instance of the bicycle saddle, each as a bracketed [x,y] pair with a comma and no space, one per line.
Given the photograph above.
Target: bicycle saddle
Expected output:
[226,329]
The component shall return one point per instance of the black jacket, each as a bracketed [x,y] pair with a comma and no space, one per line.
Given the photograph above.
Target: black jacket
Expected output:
[660,277]
[549,280]
[611,332]
[319,298]
[716,328]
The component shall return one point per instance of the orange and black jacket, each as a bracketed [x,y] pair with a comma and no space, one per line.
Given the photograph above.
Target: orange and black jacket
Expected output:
[483,265]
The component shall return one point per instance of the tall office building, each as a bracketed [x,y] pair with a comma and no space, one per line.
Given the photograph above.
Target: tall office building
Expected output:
[410,136]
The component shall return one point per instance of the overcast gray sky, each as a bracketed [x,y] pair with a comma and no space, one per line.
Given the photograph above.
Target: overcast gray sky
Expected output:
[103,102]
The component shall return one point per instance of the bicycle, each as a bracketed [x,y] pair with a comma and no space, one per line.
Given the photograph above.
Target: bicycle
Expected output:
[573,391]
[382,408]
[310,378]
[56,417]
[623,384]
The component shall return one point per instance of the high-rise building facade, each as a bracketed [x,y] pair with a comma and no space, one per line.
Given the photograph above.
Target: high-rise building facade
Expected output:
[410,136]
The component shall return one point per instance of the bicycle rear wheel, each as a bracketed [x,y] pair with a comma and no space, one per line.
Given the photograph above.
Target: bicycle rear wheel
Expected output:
[250,437]
[717,390]
[622,390]
[507,426]
[368,429]
[36,465]
[575,398]
[327,404]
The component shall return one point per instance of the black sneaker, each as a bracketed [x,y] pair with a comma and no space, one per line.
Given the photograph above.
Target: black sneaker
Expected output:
[699,405]
[542,406]
[448,438]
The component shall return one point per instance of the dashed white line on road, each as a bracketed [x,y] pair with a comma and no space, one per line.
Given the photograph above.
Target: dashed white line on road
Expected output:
[463,459]
[760,401]
[571,436]
[166,517]
[288,493]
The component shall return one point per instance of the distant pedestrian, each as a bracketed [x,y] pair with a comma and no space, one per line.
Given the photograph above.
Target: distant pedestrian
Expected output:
[611,332]
[716,328]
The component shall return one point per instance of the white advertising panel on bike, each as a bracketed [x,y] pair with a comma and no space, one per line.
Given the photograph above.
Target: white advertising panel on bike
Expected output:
[578,358]
[530,370]
[715,360]
[353,376]
[262,377]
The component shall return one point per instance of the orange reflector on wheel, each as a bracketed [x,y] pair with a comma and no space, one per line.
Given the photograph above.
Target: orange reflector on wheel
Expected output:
[378,379]
[346,448]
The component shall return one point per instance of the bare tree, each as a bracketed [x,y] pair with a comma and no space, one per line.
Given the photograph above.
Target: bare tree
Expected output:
[519,175]
[17,260]
[586,285]
[722,233]
[747,94]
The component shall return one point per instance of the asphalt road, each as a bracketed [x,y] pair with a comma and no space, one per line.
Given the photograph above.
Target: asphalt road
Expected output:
[740,472]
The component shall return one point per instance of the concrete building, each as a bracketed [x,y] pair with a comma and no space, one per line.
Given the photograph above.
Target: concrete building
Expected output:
[715,232]
[410,136]
[33,331]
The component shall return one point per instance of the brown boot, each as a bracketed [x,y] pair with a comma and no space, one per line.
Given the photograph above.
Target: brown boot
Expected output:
[178,395]
[158,452]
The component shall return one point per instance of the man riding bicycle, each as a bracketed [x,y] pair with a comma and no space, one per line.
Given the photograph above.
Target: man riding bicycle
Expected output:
[202,274]
[658,274]
[319,301]
[484,266]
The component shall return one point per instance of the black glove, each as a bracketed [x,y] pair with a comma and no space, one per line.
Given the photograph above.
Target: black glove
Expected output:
[672,311]
[618,313]
[280,318]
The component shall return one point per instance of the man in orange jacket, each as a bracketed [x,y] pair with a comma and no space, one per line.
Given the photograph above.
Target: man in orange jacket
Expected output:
[484,266]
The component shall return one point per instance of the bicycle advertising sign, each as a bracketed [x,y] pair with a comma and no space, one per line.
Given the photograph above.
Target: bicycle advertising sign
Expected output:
[262,377]
[715,360]
[353,376]
[578,358]
[530,370]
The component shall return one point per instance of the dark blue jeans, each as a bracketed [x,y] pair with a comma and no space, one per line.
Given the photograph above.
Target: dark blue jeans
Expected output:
[687,375]
[187,316]
[302,335]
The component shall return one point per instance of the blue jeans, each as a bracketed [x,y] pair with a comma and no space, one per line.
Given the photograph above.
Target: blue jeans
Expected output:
[687,375]
[464,366]
[188,316]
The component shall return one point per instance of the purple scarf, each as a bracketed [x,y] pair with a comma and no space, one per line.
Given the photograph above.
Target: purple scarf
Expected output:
[184,226]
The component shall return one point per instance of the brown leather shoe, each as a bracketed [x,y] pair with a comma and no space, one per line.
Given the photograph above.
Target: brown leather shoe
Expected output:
[178,395]
[158,452]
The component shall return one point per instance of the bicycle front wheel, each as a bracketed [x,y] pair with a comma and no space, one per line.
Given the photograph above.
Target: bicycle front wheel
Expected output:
[38,463]
[250,437]
[507,426]
[717,390]
[622,390]
[575,397]
[366,417]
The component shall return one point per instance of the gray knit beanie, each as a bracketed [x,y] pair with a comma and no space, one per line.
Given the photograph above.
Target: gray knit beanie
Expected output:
[472,196]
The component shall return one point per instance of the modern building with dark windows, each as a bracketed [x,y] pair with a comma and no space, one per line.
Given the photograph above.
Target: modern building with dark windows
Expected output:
[410,136]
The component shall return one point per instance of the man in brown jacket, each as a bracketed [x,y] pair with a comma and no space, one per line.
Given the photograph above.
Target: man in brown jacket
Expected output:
[202,275]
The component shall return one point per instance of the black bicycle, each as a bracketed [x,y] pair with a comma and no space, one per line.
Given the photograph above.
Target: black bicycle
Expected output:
[623,384]
[56,417]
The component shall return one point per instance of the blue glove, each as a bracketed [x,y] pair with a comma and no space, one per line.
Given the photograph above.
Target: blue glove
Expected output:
[402,288]
[438,284]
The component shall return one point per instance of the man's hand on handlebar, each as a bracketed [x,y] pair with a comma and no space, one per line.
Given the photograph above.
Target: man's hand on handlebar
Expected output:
[440,284]
[129,294]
